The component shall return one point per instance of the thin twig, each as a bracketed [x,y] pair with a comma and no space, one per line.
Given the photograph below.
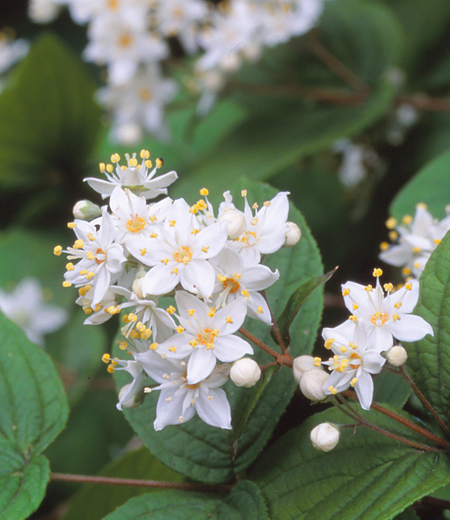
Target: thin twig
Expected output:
[259,343]
[92,479]
[404,373]
[275,328]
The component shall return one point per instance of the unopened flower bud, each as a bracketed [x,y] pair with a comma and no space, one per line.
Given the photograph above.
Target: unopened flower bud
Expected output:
[311,384]
[324,436]
[397,356]
[245,372]
[137,287]
[135,399]
[236,222]
[303,364]
[293,235]
[86,210]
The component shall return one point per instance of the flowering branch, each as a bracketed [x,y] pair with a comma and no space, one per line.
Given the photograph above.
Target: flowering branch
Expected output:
[91,479]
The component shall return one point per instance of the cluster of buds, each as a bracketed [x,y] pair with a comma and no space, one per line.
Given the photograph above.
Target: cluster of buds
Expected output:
[135,252]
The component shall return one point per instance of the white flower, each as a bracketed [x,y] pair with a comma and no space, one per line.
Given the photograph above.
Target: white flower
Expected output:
[26,307]
[101,312]
[386,316]
[135,177]
[245,372]
[236,280]
[180,400]
[179,253]
[11,51]
[206,335]
[353,361]
[265,229]
[100,258]
[324,437]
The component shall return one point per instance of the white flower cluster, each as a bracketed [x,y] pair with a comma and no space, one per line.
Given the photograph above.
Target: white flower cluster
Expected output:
[138,251]
[417,237]
[378,316]
[131,38]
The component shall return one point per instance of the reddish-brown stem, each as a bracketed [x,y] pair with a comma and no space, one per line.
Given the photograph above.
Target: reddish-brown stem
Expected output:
[281,359]
[91,479]
[335,65]
[275,328]
[418,429]
[404,373]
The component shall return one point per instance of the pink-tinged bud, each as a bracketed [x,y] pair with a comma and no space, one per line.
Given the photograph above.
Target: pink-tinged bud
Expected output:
[397,356]
[324,437]
[303,364]
[293,235]
[245,372]
[311,384]
[236,222]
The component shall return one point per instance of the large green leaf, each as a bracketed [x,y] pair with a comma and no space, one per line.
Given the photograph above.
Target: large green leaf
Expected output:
[429,358]
[367,476]
[213,455]
[431,186]
[48,118]
[95,501]
[244,502]
[33,411]
[281,129]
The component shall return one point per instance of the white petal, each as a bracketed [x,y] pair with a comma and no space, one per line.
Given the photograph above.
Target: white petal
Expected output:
[215,411]
[231,348]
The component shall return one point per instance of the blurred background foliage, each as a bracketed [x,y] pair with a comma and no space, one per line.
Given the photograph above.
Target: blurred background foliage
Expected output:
[277,121]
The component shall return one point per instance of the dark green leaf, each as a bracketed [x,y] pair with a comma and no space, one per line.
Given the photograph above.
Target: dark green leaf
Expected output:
[95,501]
[243,503]
[429,358]
[391,389]
[209,454]
[367,476]
[295,302]
[48,118]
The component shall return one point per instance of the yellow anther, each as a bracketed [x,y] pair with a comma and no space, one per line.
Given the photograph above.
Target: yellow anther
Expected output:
[194,209]
[159,162]
[90,275]
[179,329]
[353,381]
[328,343]
[165,261]
[110,369]
[221,278]
[57,250]
[171,309]
[397,305]
[345,292]
[70,266]
[317,361]
[254,221]
[406,271]
[172,349]
[211,312]
[352,345]
[368,288]
[437,241]
[245,294]
[106,358]
[195,231]
[78,244]
[174,270]
[388,287]
[391,223]
[355,306]
[148,164]
[255,205]
[407,219]
[109,168]
[153,346]
[267,203]
[421,205]
[71,225]
[115,157]
[172,223]
[229,319]
[205,249]
[191,312]
[384,246]
[204,192]
[144,154]
[377,272]
[396,317]
[332,390]
[417,250]
[193,343]
[66,284]
[353,318]
[259,310]
[90,255]
[343,349]
[243,193]
[123,345]
[408,286]
[393,235]
[91,237]
[102,167]
[143,251]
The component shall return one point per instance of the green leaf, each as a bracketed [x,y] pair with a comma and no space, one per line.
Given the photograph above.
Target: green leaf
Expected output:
[95,501]
[243,503]
[430,185]
[48,118]
[209,454]
[367,476]
[283,128]
[429,358]
[33,411]
[391,389]
[295,302]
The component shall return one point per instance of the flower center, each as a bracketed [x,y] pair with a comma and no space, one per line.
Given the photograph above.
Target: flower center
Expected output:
[354,357]
[136,224]
[100,252]
[249,238]
[206,337]
[183,255]
[379,318]
[231,284]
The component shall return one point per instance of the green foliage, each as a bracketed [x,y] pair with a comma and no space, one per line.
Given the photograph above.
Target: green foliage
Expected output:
[429,358]
[95,501]
[49,120]
[33,411]
[211,455]
[430,185]
[299,482]
[244,502]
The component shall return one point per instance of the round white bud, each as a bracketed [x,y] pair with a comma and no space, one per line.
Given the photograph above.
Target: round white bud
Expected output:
[311,384]
[137,287]
[303,364]
[135,399]
[236,222]
[86,210]
[245,372]
[397,356]
[324,436]
[293,235]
